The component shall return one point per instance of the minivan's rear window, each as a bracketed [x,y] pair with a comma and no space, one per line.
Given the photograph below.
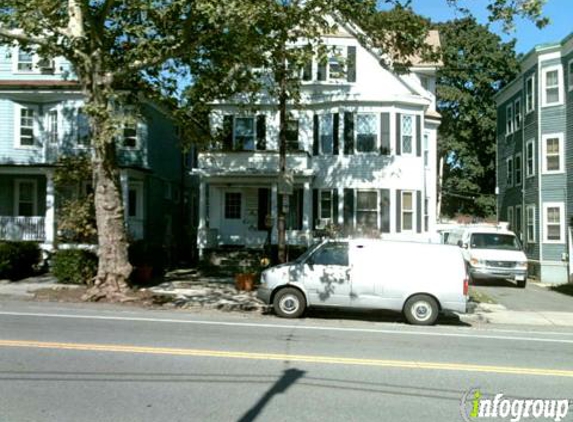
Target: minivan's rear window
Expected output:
[494,241]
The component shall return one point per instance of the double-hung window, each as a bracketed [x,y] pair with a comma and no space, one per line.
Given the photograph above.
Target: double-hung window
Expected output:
[518,173]
[530,222]
[130,135]
[232,205]
[517,114]
[553,153]
[83,132]
[407,131]
[552,86]
[52,126]
[26,137]
[327,134]
[509,119]
[407,211]
[530,94]
[326,204]
[292,135]
[336,61]
[554,222]
[510,217]
[25,198]
[530,158]
[366,132]
[426,150]
[244,133]
[367,209]
[509,172]
[25,61]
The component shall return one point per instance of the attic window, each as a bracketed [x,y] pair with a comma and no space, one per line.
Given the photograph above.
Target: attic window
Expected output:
[25,61]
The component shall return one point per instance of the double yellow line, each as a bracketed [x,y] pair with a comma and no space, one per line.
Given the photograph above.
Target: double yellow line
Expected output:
[327,360]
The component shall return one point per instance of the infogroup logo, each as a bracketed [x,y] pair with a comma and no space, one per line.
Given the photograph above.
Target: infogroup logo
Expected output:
[475,405]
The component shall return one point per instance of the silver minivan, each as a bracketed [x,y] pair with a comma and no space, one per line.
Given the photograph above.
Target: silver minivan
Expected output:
[419,279]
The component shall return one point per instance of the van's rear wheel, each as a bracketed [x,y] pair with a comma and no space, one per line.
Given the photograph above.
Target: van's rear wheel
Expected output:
[289,303]
[421,310]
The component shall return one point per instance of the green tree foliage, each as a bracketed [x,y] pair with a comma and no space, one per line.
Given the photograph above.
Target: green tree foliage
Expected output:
[477,64]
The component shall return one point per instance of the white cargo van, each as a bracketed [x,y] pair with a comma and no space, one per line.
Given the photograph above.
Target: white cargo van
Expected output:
[491,252]
[418,279]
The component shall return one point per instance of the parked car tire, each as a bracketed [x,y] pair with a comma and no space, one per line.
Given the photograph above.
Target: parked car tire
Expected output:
[289,303]
[421,310]
[521,283]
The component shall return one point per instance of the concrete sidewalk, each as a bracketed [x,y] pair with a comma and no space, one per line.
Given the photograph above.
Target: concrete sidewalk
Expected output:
[499,314]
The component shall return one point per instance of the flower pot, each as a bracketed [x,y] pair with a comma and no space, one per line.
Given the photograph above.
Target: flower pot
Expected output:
[245,281]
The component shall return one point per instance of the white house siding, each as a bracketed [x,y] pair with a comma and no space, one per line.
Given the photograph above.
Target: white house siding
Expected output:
[375,91]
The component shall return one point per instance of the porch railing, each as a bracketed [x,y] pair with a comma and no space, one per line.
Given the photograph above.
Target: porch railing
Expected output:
[23,228]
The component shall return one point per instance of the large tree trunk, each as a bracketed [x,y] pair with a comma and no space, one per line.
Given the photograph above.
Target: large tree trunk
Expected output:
[114,269]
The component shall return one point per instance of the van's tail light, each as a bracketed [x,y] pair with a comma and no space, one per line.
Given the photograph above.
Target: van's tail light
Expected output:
[466,285]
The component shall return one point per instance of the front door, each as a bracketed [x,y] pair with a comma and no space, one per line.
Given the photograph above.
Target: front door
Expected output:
[326,275]
[232,228]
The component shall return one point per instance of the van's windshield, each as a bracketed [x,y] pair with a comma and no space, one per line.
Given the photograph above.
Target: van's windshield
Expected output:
[307,253]
[495,241]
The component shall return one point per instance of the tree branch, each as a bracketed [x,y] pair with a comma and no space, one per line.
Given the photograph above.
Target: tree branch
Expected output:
[17,35]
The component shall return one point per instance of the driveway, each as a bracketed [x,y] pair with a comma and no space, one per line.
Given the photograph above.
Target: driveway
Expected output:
[534,298]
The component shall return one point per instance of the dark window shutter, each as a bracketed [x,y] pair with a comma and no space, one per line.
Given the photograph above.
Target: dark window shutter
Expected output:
[307,71]
[385,210]
[419,210]
[418,136]
[314,207]
[261,132]
[334,206]
[398,134]
[228,132]
[351,63]
[385,133]
[335,140]
[321,71]
[349,208]
[398,211]
[264,208]
[315,132]
[348,133]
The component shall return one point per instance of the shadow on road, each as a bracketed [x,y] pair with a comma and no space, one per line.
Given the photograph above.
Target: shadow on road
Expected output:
[495,282]
[289,377]
[375,316]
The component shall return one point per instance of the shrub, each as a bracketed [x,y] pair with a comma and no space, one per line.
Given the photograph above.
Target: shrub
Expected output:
[74,266]
[18,259]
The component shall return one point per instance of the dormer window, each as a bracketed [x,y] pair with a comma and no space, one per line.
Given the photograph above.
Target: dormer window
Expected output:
[25,61]
[130,135]
[340,65]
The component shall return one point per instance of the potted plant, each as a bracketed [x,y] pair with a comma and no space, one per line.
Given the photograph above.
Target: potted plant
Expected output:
[248,278]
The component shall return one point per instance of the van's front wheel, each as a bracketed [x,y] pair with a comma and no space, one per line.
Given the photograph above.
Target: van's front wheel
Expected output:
[421,310]
[289,303]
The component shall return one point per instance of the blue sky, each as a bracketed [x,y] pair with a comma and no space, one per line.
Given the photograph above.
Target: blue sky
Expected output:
[560,12]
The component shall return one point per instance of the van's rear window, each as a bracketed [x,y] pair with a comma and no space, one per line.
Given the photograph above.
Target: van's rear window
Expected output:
[494,241]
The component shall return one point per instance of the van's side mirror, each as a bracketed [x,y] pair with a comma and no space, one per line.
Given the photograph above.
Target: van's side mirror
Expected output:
[310,263]
[460,244]
[465,246]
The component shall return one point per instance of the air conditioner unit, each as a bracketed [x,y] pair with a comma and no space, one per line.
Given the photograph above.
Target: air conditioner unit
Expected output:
[46,66]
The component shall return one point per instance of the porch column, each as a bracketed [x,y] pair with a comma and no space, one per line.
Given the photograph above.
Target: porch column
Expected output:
[306,206]
[201,233]
[124,179]
[274,212]
[202,205]
[50,220]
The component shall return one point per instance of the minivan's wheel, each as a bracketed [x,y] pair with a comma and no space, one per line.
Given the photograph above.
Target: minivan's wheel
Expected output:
[289,303]
[521,283]
[421,310]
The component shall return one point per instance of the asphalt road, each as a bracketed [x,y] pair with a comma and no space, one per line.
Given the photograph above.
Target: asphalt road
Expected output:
[97,363]
[532,298]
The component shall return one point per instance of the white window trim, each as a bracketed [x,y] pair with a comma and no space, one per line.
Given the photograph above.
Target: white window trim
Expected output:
[510,217]
[137,139]
[544,139]
[332,205]
[509,119]
[530,107]
[414,132]
[414,208]
[321,118]
[517,111]
[508,172]
[139,200]
[377,134]
[570,75]
[527,173]
[355,219]
[15,70]
[561,206]
[426,149]
[528,239]
[518,158]
[59,124]
[17,116]
[544,72]
[17,183]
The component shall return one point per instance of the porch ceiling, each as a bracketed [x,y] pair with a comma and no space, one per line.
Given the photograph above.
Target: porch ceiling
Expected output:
[250,176]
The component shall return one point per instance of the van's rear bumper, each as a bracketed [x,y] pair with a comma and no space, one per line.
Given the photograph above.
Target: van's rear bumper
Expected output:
[460,307]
